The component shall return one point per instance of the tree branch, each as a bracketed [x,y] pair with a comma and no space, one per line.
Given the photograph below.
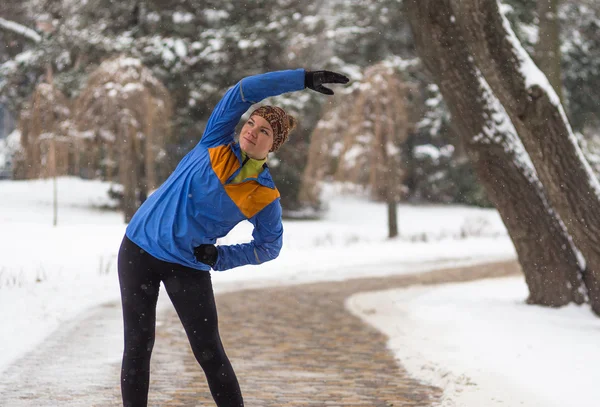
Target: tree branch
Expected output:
[20,29]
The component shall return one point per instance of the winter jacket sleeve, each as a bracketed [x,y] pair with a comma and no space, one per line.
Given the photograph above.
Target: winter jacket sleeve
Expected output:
[250,90]
[266,243]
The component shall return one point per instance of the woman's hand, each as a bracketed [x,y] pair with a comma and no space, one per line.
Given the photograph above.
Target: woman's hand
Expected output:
[315,79]
[207,254]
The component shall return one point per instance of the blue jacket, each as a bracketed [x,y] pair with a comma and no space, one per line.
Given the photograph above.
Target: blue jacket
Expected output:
[198,203]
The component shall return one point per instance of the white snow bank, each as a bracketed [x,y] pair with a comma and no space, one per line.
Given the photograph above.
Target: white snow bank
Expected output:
[484,346]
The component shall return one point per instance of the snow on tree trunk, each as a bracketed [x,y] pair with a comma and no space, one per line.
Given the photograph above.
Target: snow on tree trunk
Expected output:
[542,125]
[544,249]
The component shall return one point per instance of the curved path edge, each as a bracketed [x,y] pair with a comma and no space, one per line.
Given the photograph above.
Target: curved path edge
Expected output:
[290,346]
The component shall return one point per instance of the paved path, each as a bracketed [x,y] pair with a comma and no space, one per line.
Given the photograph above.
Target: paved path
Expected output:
[290,346]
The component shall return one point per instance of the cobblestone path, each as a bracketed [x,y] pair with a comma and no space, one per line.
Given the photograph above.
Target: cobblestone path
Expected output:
[290,346]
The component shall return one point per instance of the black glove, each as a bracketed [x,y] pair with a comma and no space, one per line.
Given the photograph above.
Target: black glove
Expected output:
[315,79]
[207,254]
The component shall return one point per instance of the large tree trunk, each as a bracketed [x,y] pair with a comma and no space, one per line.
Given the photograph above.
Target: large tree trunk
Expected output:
[544,248]
[547,50]
[542,125]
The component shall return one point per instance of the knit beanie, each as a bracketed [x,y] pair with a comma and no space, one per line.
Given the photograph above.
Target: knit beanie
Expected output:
[281,123]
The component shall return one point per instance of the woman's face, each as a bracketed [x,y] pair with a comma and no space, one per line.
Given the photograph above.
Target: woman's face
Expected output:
[256,137]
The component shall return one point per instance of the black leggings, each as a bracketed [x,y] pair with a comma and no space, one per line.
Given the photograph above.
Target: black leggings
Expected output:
[192,296]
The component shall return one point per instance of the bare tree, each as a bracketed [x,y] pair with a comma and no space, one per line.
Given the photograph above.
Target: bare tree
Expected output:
[324,149]
[126,112]
[368,134]
[46,137]
[45,133]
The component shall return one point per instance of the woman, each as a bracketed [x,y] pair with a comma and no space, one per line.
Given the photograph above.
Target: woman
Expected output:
[171,237]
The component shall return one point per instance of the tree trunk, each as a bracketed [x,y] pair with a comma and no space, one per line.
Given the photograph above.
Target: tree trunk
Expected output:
[544,249]
[149,148]
[129,171]
[547,50]
[392,217]
[54,201]
[391,184]
[144,183]
[53,166]
[542,125]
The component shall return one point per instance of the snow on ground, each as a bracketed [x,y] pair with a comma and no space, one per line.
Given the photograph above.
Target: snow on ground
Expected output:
[484,346]
[478,340]
[49,275]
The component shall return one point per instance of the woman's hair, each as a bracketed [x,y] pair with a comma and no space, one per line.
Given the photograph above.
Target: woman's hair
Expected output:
[281,123]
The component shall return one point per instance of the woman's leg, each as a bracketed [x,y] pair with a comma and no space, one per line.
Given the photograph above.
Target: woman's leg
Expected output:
[139,294]
[192,295]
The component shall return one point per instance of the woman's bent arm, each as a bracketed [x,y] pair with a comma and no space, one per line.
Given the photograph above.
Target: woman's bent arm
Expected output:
[250,90]
[268,239]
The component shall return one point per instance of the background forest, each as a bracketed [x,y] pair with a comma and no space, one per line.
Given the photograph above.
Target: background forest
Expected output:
[199,49]
[196,50]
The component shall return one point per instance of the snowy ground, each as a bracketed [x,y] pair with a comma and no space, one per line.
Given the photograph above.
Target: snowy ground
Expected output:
[50,275]
[485,347]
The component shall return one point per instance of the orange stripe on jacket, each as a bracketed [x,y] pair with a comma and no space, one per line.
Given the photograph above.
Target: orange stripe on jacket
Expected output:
[223,161]
[249,196]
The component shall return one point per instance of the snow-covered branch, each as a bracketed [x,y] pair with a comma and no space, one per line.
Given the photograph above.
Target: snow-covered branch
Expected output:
[20,29]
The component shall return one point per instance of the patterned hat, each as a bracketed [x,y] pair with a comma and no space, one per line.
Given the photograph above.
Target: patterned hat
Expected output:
[281,123]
